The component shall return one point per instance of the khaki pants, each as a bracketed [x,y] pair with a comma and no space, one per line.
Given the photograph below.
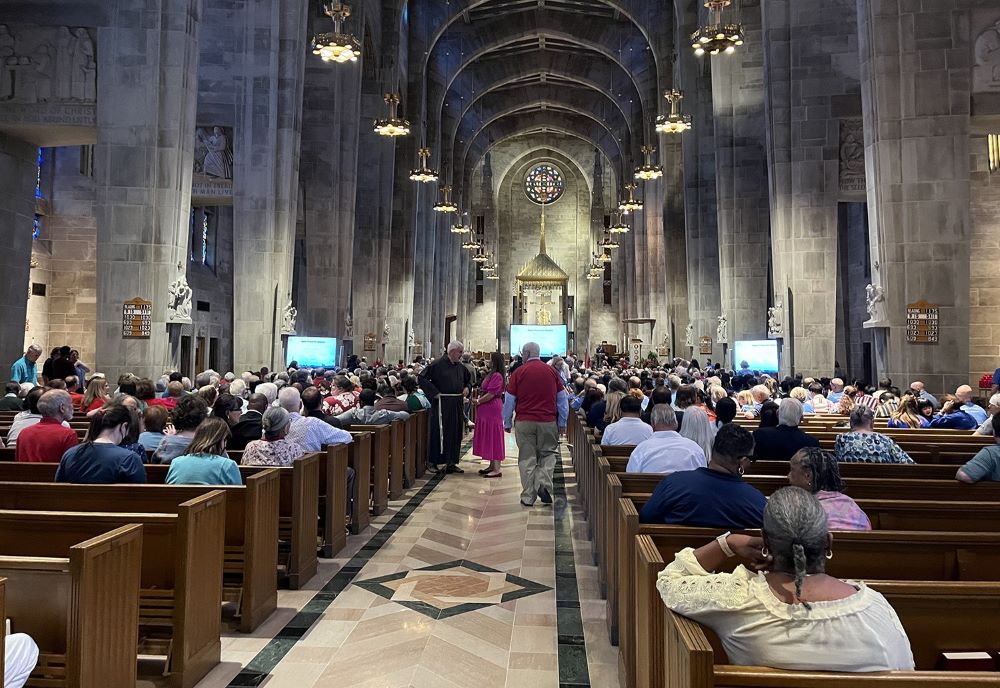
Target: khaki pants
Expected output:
[537,452]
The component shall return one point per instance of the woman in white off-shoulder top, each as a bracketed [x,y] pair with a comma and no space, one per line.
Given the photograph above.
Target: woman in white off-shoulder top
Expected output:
[792,616]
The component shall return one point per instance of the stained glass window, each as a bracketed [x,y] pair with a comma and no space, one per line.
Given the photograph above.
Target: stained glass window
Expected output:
[204,238]
[36,230]
[543,184]
[38,176]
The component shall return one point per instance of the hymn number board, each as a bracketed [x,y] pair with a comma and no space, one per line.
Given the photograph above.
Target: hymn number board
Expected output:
[922,323]
[137,319]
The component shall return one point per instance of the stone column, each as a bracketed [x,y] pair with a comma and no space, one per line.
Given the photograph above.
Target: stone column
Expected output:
[268,123]
[809,103]
[17,212]
[915,88]
[675,264]
[741,175]
[146,100]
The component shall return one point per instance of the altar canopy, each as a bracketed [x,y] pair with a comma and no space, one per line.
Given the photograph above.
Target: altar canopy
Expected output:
[541,288]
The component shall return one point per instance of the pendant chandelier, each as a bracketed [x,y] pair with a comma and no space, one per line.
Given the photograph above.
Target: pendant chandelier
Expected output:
[459,227]
[619,226]
[392,125]
[596,270]
[675,122]
[445,205]
[337,46]
[608,242]
[423,174]
[631,203]
[648,170]
[717,37]
[481,256]
[471,244]
[603,257]
[492,274]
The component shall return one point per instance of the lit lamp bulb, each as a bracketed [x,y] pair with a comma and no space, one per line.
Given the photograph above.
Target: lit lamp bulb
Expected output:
[445,205]
[423,174]
[337,46]
[675,122]
[716,37]
[392,125]
[619,226]
[631,202]
[648,171]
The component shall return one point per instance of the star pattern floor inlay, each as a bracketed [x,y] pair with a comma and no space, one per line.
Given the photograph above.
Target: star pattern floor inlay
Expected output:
[451,588]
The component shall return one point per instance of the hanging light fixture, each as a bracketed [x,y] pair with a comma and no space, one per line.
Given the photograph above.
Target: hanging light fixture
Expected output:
[423,173]
[492,275]
[445,205]
[675,122]
[481,255]
[471,244]
[608,241]
[619,226]
[337,46]
[459,227]
[595,270]
[647,170]
[631,203]
[717,37]
[604,257]
[392,125]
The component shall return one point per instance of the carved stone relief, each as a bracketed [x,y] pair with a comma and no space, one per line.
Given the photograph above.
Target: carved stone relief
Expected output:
[852,156]
[986,55]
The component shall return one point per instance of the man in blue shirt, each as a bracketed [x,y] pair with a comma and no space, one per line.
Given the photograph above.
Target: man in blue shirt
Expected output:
[713,497]
[964,395]
[25,368]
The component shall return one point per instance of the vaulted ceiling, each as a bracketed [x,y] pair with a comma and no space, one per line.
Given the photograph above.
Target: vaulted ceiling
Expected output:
[493,69]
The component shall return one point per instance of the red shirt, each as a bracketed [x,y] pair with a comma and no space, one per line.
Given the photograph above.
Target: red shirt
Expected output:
[44,442]
[165,402]
[77,399]
[536,386]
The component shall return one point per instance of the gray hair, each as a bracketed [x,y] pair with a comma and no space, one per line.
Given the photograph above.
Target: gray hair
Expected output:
[36,348]
[795,526]
[50,402]
[861,415]
[663,415]
[202,379]
[274,420]
[530,350]
[290,399]
[790,412]
[269,390]
[455,345]
[617,384]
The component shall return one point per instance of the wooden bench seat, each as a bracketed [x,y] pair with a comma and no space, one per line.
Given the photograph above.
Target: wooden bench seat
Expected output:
[937,617]
[381,444]
[389,443]
[360,458]
[81,609]
[178,600]
[251,523]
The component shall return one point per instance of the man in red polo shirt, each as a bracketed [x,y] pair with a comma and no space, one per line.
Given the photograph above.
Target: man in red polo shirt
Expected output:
[48,439]
[537,397]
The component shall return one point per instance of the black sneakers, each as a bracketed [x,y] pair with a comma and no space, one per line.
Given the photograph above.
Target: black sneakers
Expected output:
[543,494]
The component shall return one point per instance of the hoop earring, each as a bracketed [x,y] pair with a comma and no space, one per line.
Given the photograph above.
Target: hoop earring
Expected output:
[829,554]
[739,470]
[764,552]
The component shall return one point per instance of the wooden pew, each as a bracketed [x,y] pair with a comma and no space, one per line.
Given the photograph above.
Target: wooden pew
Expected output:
[423,432]
[81,609]
[251,534]
[360,458]
[691,655]
[381,439]
[175,611]
[876,555]
[410,450]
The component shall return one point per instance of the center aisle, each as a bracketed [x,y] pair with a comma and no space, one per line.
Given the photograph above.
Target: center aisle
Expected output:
[461,592]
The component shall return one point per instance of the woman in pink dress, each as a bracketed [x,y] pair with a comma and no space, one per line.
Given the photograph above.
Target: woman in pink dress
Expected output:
[488,438]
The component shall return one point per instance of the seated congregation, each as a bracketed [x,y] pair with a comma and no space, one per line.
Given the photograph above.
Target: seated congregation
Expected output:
[260,474]
[796,526]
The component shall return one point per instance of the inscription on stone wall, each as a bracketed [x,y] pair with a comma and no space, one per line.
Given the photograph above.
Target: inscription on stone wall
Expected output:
[852,156]
[986,53]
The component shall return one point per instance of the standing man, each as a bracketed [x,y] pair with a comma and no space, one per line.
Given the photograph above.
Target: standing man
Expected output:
[536,395]
[25,369]
[446,382]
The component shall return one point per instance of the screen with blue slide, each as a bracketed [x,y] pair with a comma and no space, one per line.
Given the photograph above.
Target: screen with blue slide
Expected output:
[551,339]
[312,352]
[761,354]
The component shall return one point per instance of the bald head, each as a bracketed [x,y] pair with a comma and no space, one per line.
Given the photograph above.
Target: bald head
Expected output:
[530,350]
[964,394]
[257,402]
[836,385]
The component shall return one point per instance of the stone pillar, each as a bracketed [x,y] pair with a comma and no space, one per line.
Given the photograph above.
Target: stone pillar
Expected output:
[809,103]
[268,121]
[146,99]
[915,92]
[17,211]
[674,313]
[741,175]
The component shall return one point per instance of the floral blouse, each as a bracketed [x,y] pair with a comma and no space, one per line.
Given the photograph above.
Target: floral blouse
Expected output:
[277,453]
[842,512]
[868,447]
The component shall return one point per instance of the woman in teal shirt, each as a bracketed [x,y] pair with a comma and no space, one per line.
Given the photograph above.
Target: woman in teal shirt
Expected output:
[205,462]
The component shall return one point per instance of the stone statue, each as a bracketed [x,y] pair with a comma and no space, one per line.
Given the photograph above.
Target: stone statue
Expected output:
[664,348]
[986,69]
[775,318]
[852,155]
[179,301]
[288,319]
[385,334]
[214,155]
[410,339]
[83,74]
[875,303]
[348,327]
[722,331]
[689,335]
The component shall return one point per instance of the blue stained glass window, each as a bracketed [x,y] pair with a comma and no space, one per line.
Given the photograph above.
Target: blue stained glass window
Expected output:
[37,229]
[204,238]
[38,176]
[543,184]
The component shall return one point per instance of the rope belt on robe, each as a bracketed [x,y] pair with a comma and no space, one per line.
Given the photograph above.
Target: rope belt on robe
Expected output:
[441,418]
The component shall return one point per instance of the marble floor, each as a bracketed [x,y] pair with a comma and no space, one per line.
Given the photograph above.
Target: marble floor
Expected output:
[456,585]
